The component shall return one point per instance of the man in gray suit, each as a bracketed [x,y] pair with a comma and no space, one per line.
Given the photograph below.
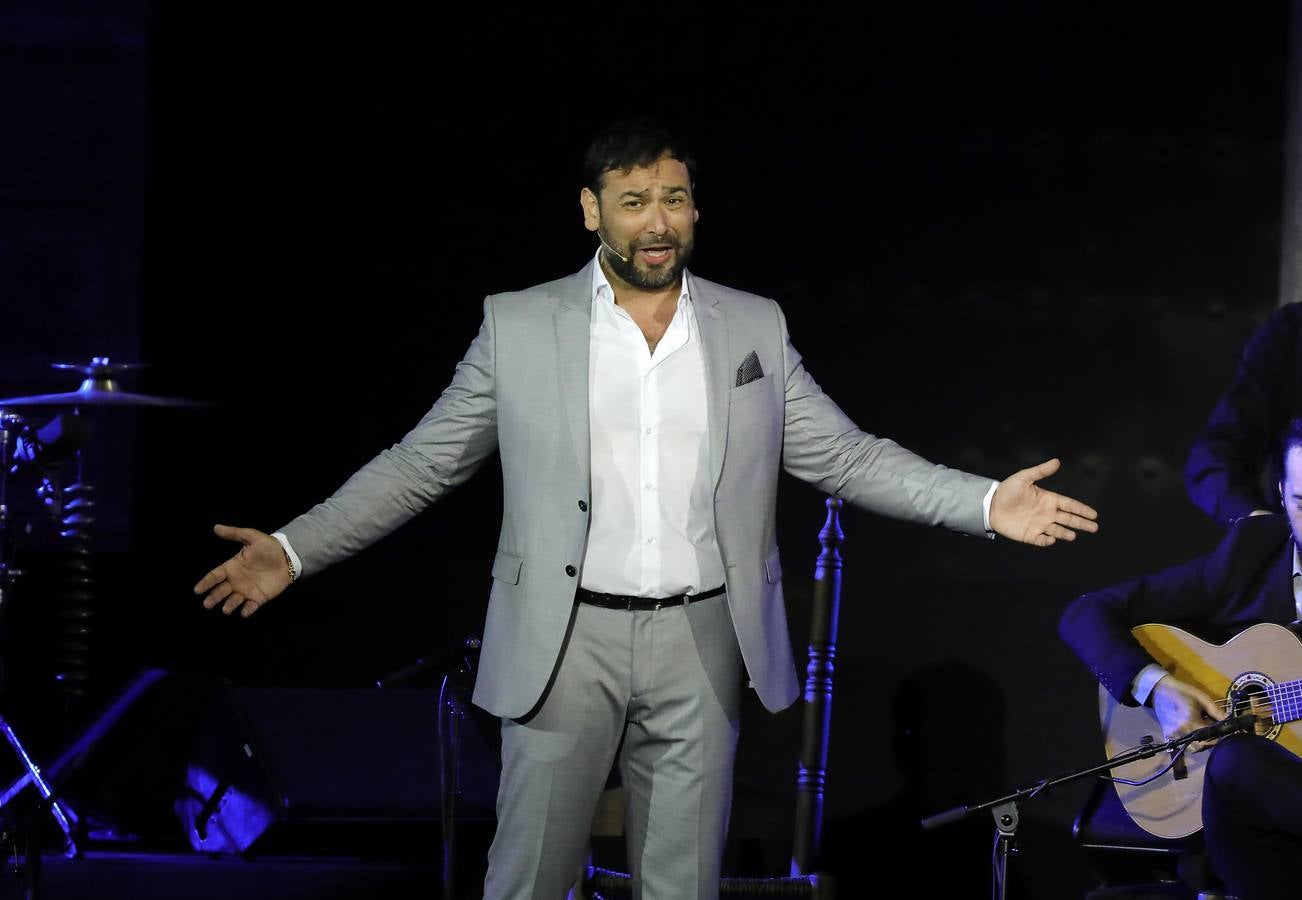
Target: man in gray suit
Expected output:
[642,415]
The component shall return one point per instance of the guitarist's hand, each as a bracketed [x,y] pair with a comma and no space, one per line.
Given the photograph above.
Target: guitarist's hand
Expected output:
[1180,708]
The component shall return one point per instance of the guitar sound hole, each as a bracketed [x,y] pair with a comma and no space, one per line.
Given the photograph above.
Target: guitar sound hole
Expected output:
[1254,699]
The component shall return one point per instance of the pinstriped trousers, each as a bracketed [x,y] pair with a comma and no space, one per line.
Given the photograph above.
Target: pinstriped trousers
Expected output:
[665,682]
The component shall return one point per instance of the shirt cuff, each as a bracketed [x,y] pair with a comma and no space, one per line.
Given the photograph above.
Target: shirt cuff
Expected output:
[289,551]
[985,508]
[1145,681]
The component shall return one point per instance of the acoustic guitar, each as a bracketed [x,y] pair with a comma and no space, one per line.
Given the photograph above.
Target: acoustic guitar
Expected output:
[1263,663]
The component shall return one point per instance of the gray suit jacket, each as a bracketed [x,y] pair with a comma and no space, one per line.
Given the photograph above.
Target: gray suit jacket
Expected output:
[523,388]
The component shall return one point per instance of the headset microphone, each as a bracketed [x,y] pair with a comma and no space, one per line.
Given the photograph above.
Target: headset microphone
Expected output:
[613,250]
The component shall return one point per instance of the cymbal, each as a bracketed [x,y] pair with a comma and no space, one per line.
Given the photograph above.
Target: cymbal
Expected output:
[99,389]
[92,393]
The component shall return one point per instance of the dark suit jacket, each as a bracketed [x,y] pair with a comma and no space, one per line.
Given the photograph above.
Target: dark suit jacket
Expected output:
[1247,579]
[1233,466]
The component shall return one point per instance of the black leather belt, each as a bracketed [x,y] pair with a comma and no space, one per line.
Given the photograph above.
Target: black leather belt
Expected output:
[641,604]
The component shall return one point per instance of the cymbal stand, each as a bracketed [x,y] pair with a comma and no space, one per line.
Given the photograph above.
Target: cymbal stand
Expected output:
[10,427]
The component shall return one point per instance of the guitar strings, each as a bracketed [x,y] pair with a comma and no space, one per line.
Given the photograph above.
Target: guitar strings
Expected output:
[1264,713]
[1287,696]
[1290,706]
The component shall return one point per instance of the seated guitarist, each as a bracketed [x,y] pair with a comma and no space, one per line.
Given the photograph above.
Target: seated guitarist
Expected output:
[1252,792]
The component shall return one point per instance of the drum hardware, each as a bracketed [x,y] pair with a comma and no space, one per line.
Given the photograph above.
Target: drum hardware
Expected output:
[25,448]
[12,426]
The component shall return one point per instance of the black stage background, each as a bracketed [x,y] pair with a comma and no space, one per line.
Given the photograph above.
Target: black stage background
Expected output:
[1000,231]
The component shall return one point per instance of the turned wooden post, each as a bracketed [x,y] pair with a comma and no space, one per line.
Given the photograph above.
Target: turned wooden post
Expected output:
[812,773]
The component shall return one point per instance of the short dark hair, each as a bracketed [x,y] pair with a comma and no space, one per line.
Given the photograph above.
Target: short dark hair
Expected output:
[633,142]
[1292,437]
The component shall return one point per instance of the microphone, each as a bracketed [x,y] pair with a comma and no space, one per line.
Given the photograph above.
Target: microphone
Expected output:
[944,818]
[613,250]
[1216,730]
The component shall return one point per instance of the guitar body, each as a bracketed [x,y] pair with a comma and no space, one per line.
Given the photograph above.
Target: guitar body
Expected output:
[1256,658]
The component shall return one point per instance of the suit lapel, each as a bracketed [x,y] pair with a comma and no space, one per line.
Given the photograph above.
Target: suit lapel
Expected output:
[573,337]
[713,323]
[1279,589]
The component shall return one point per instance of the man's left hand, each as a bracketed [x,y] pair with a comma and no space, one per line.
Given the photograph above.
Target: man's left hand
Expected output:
[1023,511]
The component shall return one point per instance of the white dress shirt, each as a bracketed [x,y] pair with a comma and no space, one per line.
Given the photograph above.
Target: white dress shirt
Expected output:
[652,527]
[651,532]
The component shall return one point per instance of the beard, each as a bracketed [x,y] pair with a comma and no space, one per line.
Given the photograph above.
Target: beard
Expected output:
[652,279]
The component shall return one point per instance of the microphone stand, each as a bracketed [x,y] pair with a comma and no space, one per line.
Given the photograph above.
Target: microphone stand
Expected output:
[457,664]
[1005,812]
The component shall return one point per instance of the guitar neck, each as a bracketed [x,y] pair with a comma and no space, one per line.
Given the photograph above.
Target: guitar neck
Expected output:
[1285,701]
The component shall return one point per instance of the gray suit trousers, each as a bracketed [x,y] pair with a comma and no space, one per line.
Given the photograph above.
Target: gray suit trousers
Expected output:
[668,683]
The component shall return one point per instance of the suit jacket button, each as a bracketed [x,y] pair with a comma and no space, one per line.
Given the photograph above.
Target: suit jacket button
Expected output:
[571,571]
[583,506]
